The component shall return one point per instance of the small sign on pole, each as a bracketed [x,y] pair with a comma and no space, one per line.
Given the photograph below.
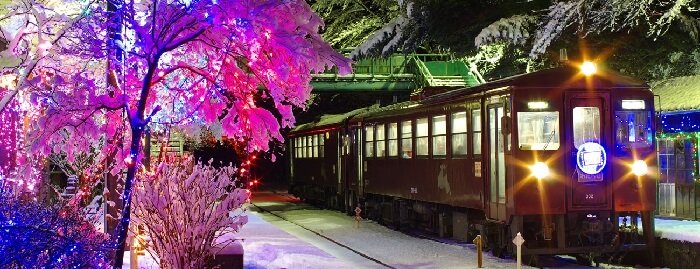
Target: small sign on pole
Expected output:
[518,241]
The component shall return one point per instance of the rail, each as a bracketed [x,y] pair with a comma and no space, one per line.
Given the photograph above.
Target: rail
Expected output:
[398,72]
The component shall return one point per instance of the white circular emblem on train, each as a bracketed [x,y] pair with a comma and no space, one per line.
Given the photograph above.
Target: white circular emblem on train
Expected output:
[591,158]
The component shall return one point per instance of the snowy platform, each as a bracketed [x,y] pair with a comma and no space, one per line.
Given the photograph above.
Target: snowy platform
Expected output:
[678,230]
[678,243]
[290,234]
[266,246]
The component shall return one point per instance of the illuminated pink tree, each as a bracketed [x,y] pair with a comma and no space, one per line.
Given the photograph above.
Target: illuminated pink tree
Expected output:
[31,29]
[185,63]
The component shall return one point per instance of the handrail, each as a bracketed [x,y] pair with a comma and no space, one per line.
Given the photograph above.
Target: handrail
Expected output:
[422,71]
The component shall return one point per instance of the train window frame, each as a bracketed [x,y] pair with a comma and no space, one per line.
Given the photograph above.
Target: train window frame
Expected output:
[550,141]
[369,141]
[392,139]
[454,134]
[437,133]
[420,137]
[476,131]
[411,151]
[380,140]
[314,146]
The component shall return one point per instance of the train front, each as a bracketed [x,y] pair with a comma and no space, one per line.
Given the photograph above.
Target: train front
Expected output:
[585,165]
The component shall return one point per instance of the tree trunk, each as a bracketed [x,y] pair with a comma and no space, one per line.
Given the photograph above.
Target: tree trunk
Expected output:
[123,227]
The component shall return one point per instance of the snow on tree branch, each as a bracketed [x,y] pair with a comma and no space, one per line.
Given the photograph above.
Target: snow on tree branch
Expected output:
[560,16]
[514,30]
[402,33]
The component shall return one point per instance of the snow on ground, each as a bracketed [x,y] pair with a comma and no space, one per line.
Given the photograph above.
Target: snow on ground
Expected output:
[144,261]
[679,230]
[272,242]
[391,247]
[266,246]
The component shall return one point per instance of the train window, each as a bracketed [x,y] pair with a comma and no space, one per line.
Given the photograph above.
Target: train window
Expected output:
[314,145]
[422,137]
[298,145]
[633,129]
[586,125]
[476,129]
[321,143]
[439,135]
[538,130]
[381,143]
[406,139]
[393,143]
[369,141]
[303,146]
[459,133]
[309,152]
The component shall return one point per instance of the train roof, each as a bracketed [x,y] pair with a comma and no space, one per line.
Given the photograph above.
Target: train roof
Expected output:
[557,78]
[562,77]
[678,94]
[330,120]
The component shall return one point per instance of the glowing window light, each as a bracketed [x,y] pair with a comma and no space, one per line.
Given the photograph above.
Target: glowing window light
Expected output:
[537,105]
[633,104]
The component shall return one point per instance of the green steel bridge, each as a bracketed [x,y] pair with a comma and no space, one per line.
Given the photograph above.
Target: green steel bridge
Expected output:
[397,73]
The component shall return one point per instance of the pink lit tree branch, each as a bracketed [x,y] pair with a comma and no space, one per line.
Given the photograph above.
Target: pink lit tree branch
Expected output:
[31,29]
[185,63]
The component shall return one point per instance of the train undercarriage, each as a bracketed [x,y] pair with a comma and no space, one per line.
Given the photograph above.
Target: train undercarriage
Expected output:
[589,237]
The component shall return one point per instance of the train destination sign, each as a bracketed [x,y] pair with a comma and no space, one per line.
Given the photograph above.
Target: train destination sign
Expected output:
[591,158]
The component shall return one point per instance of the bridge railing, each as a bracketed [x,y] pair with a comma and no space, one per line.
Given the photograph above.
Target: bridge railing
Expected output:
[398,72]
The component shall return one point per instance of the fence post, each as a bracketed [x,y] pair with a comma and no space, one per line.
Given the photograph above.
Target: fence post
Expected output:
[133,254]
[518,241]
[479,252]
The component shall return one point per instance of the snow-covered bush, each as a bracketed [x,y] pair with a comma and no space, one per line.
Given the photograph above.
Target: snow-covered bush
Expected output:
[189,210]
[34,235]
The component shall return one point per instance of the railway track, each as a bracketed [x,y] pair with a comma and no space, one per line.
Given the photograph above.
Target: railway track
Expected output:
[262,209]
[552,262]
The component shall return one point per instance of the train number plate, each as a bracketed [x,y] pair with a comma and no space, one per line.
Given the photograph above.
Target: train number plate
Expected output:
[583,177]
[477,169]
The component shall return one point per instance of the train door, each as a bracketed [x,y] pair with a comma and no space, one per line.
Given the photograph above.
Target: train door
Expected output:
[587,141]
[496,208]
[352,172]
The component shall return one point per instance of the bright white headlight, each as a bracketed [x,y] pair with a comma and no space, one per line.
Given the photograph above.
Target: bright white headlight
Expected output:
[639,168]
[588,68]
[539,170]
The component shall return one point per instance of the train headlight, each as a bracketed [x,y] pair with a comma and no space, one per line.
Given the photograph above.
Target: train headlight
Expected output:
[588,68]
[539,170]
[639,168]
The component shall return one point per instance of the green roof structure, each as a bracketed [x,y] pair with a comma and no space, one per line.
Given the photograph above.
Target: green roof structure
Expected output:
[678,94]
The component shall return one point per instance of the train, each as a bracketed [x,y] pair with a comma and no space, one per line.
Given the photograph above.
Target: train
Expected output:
[565,156]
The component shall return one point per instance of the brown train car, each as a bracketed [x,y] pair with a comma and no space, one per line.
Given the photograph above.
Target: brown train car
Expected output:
[557,155]
[318,153]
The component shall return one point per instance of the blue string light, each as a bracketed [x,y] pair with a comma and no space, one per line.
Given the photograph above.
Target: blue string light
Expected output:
[681,122]
[33,235]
